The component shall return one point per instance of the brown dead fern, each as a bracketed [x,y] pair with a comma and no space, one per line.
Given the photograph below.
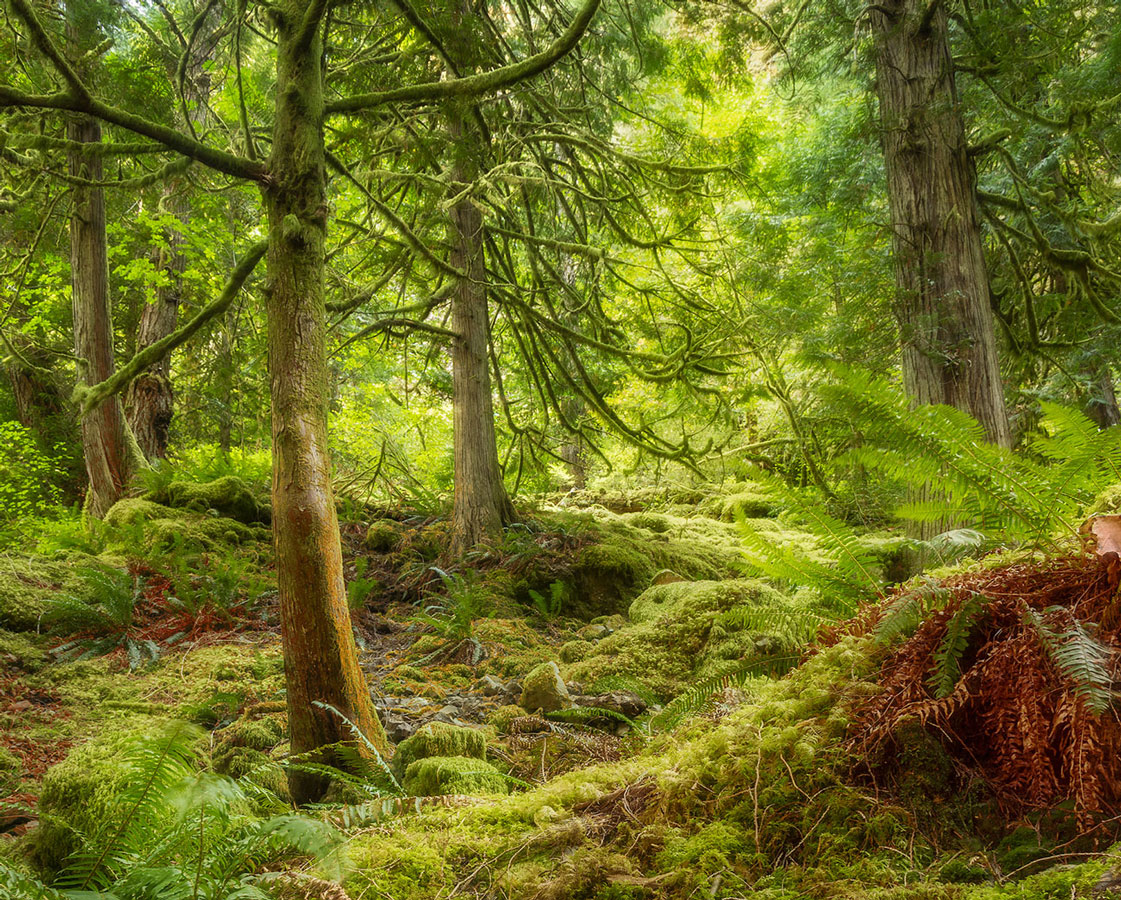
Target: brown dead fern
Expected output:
[1020,690]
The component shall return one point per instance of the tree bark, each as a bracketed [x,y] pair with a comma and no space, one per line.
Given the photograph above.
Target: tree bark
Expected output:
[109,461]
[943,303]
[1102,403]
[481,505]
[320,656]
[149,398]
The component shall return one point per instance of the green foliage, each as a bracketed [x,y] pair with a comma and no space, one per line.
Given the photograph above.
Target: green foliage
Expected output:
[359,587]
[841,571]
[174,833]
[1079,655]
[946,673]
[102,617]
[908,610]
[28,477]
[698,697]
[551,606]
[1012,498]
[453,613]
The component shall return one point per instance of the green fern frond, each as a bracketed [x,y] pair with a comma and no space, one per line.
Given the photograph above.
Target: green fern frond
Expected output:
[1079,656]
[697,697]
[947,658]
[585,715]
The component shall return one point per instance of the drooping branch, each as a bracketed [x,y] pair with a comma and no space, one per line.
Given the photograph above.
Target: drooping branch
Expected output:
[89,398]
[476,85]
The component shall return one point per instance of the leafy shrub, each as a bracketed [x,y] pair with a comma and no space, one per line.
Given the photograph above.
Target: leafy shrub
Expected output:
[27,475]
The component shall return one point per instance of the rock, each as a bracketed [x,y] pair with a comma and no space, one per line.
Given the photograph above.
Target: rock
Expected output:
[594,632]
[383,537]
[545,690]
[574,651]
[440,739]
[438,775]
[666,576]
[490,686]
[626,703]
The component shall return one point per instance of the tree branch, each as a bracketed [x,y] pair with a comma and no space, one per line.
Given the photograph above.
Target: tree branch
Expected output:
[484,82]
[89,398]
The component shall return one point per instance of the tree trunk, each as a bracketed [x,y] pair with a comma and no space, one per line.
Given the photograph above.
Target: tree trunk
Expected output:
[109,462]
[320,657]
[1102,404]
[481,505]
[149,399]
[945,320]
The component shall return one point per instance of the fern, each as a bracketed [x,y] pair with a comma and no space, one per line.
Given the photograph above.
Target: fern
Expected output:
[177,833]
[845,573]
[782,619]
[370,766]
[907,611]
[947,658]
[1079,656]
[586,715]
[1011,497]
[697,697]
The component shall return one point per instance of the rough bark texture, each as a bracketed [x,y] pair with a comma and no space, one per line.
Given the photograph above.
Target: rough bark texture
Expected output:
[149,398]
[320,657]
[1102,404]
[109,464]
[945,320]
[481,505]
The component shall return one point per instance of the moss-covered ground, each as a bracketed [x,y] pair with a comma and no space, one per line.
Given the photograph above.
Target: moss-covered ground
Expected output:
[751,792]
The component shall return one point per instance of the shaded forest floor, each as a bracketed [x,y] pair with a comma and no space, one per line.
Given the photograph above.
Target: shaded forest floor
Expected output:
[585,710]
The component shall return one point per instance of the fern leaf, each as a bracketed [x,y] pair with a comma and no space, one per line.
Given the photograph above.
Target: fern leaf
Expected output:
[1079,656]
[697,697]
[947,659]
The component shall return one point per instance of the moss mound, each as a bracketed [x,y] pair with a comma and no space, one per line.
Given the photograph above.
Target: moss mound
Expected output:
[434,776]
[676,637]
[229,496]
[439,739]
[28,584]
[163,527]
[383,537]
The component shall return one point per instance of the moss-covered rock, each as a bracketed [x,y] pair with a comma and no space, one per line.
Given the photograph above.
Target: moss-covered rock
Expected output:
[383,537]
[438,775]
[677,637]
[439,739]
[1108,502]
[77,797]
[28,584]
[544,689]
[574,651]
[501,718]
[162,527]
[229,496]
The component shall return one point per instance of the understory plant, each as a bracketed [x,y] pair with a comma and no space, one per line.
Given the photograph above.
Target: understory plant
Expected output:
[178,833]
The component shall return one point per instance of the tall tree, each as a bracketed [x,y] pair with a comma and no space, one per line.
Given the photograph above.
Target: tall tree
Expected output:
[943,301]
[325,682]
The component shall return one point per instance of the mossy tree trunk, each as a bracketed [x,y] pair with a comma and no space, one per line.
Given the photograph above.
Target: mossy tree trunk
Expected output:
[320,656]
[481,505]
[105,448]
[943,302]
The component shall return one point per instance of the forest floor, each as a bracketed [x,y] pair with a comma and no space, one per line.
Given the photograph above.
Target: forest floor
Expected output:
[584,711]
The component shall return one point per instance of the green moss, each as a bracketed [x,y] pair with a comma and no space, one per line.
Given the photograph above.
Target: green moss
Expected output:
[229,496]
[439,739]
[383,537]
[544,689]
[24,651]
[1108,502]
[10,771]
[162,528]
[676,637]
[29,583]
[437,775]
[501,718]
[77,796]
[574,651]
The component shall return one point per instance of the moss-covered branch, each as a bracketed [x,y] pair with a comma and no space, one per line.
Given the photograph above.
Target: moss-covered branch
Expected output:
[484,82]
[89,398]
